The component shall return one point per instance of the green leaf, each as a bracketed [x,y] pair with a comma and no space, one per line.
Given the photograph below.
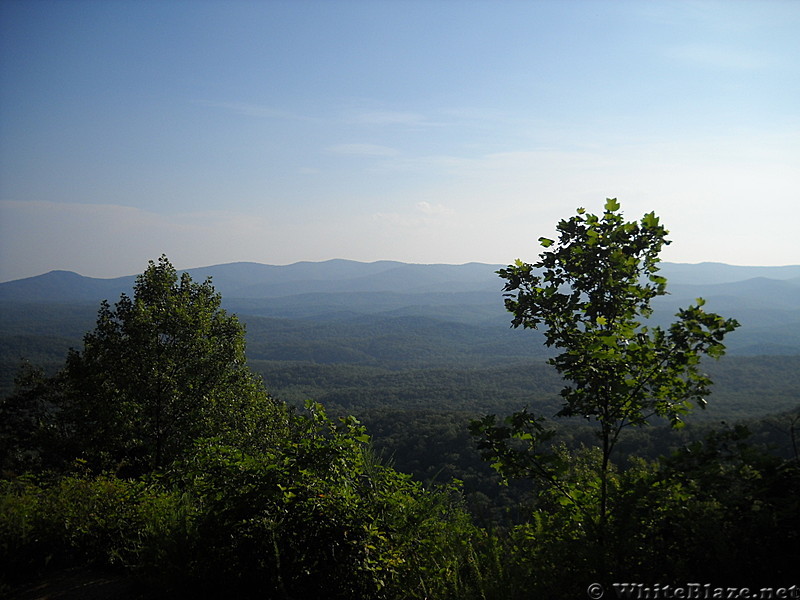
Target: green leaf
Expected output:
[650,220]
[612,205]
[609,340]
[545,242]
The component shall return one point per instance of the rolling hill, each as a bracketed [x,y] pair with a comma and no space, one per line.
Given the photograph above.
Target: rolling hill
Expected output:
[766,300]
[385,315]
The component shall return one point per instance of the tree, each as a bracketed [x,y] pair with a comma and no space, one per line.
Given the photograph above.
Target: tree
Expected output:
[31,432]
[591,291]
[160,370]
[248,496]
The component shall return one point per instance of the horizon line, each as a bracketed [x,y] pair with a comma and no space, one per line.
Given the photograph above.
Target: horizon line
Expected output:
[368,262]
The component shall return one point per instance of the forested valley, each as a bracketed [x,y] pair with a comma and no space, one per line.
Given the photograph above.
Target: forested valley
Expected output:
[401,452]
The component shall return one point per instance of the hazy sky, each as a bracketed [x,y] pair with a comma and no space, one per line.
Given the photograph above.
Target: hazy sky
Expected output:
[435,131]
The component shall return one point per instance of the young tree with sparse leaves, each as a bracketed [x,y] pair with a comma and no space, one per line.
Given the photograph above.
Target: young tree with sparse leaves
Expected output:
[591,292]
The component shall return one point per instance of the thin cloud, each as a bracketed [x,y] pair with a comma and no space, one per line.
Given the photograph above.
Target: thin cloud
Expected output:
[717,56]
[434,209]
[363,150]
[255,110]
[423,215]
[388,117]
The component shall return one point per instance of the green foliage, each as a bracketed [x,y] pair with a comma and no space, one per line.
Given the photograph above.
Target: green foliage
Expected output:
[314,516]
[211,485]
[721,510]
[77,519]
[591,291]
[31,434]
[159,370]
[213,488]
[319,516]
[592,294]
[737,491]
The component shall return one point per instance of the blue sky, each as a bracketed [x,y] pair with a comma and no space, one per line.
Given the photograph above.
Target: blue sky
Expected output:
[437,131]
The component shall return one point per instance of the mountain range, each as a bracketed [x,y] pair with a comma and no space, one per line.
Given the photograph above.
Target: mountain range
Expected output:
[766,300]
[256,280]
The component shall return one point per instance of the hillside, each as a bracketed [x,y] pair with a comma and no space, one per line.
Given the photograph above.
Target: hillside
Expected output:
[766,300]
[255,280]
[331,321]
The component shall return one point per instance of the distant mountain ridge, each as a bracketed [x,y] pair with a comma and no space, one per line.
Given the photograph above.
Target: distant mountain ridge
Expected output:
[64,287]
[343,293]
[257,280]
[715,272]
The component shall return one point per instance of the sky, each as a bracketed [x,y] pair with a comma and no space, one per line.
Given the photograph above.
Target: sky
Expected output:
[421,131]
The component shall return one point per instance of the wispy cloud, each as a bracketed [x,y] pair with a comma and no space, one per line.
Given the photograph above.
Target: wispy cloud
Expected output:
[363,150]
[389,117]
[422,215]
[717,56]
[434,209]
[379,118]
[255,110]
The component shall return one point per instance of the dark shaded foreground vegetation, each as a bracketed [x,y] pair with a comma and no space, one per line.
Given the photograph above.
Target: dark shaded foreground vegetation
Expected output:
[156,453]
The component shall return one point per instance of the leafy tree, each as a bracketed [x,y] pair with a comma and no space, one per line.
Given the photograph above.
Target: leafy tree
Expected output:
[213,485]
[737,491]
[31,432]
[591,292]
[159,370]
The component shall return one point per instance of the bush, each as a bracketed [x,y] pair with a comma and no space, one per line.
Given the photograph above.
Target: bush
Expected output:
[319,516]
[315,516]
[74,520]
